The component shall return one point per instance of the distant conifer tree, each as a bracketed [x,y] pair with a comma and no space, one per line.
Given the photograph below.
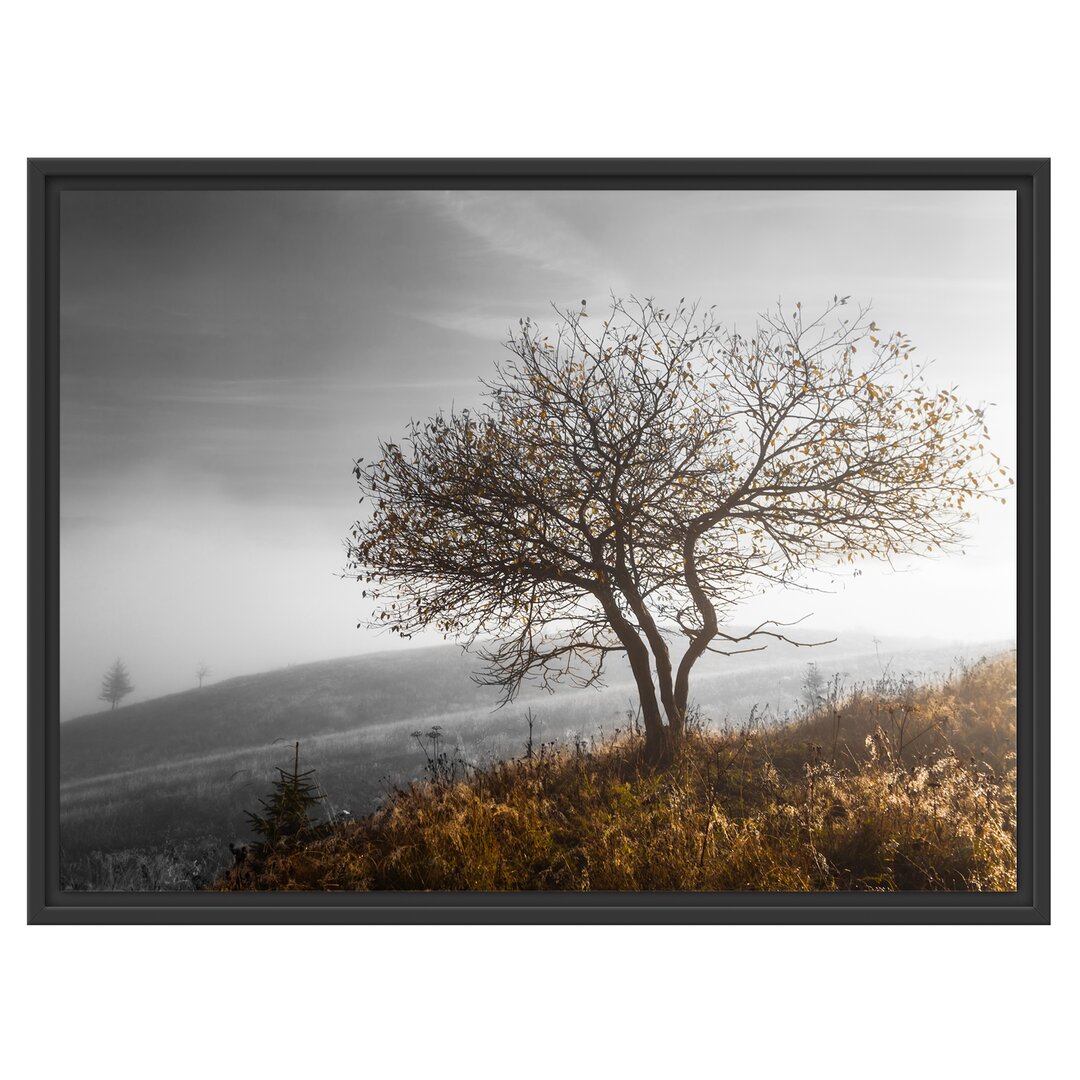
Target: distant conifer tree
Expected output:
[286,813]
[116,685]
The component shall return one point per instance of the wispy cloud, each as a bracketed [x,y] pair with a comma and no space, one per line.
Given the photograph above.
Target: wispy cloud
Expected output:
[522,226]
[488,326]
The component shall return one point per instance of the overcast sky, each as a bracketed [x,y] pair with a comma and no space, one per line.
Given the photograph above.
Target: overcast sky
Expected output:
[226,355]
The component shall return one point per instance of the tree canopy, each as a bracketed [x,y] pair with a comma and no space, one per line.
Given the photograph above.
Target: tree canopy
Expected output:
[629,480]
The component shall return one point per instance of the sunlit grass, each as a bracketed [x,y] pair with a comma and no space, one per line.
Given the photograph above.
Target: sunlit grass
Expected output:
[889,787]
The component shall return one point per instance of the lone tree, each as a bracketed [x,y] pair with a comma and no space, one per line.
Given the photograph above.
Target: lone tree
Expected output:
[202,671]
[116,685]
[626,484]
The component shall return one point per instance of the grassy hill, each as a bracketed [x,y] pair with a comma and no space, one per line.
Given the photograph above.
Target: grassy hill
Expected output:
[251,710]
[892,787]
[178,773]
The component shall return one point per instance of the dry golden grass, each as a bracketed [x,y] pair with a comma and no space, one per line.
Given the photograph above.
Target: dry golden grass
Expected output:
[892,787]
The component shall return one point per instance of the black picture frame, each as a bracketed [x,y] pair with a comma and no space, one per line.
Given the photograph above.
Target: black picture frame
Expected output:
[1028,177]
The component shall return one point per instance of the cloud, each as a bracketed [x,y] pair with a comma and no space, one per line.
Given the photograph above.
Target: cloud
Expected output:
[492,327]
[519,225]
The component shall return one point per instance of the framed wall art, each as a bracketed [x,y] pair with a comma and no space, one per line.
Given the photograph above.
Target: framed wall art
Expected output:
[539,541]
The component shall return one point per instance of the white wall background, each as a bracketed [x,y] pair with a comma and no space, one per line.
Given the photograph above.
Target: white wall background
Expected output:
[679,79]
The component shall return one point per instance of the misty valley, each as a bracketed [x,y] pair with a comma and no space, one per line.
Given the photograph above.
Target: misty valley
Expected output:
[153,794]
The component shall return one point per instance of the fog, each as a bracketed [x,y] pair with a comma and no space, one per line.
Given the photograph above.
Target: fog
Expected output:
[225,356]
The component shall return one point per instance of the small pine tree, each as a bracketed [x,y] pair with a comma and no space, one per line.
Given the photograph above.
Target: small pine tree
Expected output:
[286,813]
[116,684]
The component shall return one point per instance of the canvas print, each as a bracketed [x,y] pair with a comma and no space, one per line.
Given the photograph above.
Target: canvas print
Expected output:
[510,540]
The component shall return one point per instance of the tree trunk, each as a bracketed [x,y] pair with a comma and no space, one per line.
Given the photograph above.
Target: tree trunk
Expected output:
[656,740]
[700,642]
[661,655]
[661,739]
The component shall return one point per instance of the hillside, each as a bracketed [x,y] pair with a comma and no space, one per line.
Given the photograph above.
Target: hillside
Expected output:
[183,769]
[250,710]
[360,692]
[891,787]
